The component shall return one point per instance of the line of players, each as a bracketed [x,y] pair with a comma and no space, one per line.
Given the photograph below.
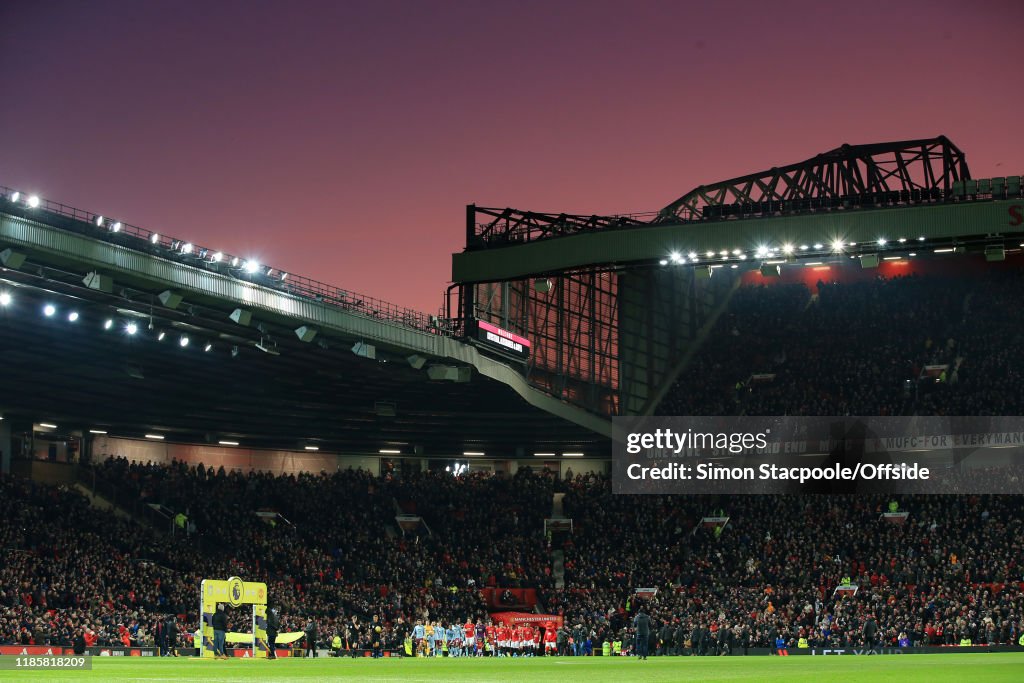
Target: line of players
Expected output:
[482,640]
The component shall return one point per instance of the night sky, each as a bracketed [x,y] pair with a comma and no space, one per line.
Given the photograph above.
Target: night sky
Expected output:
[342,140]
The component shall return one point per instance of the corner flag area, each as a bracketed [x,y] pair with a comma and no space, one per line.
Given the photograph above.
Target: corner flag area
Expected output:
[905,668]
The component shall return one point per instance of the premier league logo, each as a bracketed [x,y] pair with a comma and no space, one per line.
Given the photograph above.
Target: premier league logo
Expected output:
[236,591]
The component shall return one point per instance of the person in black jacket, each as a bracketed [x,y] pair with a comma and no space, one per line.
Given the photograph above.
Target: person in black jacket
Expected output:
[79,643]
[870,631]
[171,634]
[665,639]
[273,624]
[311,636]
[642,622]
[220,632]
[161,638]
[680,640]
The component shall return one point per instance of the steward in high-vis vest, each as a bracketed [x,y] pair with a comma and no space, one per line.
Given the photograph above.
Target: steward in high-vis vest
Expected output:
[606,648]
[617,647]
[965,642]
[1021,640]
[803,644]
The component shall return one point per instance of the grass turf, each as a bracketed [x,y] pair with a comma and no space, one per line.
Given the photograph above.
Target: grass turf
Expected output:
[901,668]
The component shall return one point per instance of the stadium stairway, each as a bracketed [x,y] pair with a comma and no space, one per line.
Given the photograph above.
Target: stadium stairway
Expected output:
[557,554]
[99,502]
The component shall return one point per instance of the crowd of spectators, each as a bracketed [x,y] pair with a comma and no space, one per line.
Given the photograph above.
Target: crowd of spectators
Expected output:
[954,566]
[862,348]
[952,570]
[331,551]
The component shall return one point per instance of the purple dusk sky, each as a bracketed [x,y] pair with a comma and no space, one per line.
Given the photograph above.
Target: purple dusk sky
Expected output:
[342,140]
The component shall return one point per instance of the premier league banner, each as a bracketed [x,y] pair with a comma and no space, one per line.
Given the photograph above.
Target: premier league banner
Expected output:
[790,455]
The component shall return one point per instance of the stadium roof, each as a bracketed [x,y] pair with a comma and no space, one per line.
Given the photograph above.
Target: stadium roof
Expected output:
[259,383]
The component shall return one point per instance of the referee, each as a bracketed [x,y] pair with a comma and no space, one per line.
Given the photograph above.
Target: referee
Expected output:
[642,622]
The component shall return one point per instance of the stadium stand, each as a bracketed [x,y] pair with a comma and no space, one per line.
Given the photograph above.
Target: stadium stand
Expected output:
[333,553]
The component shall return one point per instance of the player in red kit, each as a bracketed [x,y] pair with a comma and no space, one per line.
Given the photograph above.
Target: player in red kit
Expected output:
[504,636]
[469,639]
[492,647]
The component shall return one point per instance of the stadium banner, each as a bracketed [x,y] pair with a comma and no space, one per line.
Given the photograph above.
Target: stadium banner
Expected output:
[513,618]
[834,455]
[246,638]
[36,650]
[232,652]
[895,517]
[234,592]
[931,650]
[557,525]
[122,651]
[520,596]
[500,339]
[408,523]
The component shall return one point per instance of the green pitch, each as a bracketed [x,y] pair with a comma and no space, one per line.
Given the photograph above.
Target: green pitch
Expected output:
[899,668]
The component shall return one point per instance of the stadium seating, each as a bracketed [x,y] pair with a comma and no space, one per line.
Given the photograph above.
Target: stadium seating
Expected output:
[333,553]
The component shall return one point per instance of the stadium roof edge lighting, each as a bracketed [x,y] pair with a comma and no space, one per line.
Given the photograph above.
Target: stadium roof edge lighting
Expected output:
[186,251]
[473,453]
[157,437]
